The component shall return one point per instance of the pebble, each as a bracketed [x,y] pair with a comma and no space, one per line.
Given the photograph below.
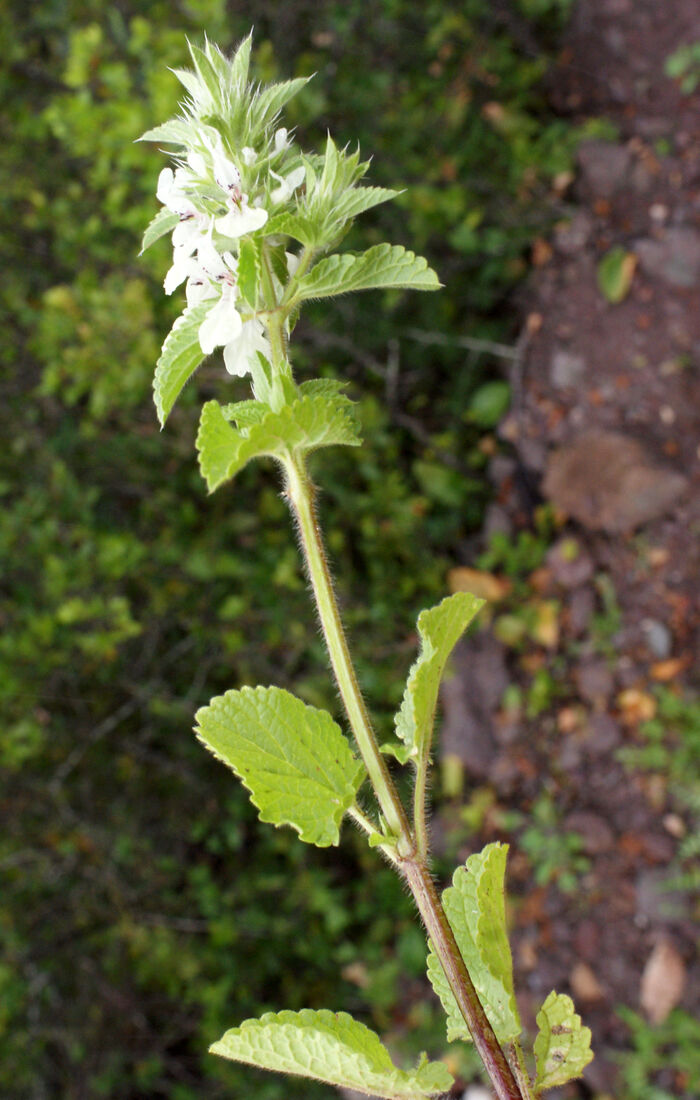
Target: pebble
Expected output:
[658,638]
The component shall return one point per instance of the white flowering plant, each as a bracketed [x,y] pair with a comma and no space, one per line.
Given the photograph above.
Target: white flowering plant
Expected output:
[254,223]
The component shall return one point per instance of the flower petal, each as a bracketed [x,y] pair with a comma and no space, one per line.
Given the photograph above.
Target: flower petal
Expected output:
[239,352]
[240,221]
[221,324]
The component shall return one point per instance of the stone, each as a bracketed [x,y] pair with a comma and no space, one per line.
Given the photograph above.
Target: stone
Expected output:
[603,166]
[570,565]
[571,237]
[675,258]
[602,735]
[658,638]
[594,681]
[609,482]
[581,608]
[496,522]
[596,834]
[567,370]
[470,697]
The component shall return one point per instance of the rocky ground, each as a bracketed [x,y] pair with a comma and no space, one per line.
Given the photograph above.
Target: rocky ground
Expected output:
[605,426]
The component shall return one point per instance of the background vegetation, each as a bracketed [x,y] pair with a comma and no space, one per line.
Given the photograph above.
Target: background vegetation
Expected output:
[143,910]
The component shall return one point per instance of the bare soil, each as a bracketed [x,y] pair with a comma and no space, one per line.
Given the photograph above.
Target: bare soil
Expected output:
[627,374]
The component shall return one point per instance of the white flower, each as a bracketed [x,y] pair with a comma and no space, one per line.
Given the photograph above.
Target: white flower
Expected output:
[287,186]
[281,139]
[172,192]
[222,324]
[225,172]
[184,265]
[239,352]
[248,155]
[241,219]
[191,231]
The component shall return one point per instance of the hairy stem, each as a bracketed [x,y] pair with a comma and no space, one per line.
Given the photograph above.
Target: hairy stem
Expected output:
[518,1063]
[420,827]
[412,860]
[301,495]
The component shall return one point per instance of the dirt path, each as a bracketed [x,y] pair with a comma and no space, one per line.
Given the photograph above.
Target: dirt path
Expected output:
[606,426]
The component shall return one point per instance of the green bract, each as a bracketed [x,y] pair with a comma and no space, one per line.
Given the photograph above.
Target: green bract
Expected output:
[305,425]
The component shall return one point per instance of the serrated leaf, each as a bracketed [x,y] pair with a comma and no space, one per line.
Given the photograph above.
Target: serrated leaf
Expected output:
[180,357]
[615,274]
[298,226]
[248,270]
[322,387]
[563,1045]
[384,265]
[475,908]
[240,62]
[331,1047]
[394,748]
[245,413]
[301,427]
[293,758]
[173,132]
[439,628]
[273,98]
[189,80]
[162,223]
[358,199]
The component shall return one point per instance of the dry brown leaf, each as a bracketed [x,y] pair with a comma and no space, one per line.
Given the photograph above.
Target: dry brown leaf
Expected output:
[486,585]
[546,627]
[668,669]
[663,982]
[636,706]
[584,984]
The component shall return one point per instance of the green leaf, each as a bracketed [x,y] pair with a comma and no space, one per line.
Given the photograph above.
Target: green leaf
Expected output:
[384,265]
[475,908]
[249,270]
[162,223]
[293,758]
[439,628]
[331,1047]
[173,132]
[358,199]
[245,413]
[240,62]
[322,387]
[615,274]
[489,404]
[180,357]
[299,226]
[272,99]
[301,427]
[563,1045]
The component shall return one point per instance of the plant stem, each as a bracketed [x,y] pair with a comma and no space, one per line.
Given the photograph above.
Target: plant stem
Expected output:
[301,495]
[518,1063]
[412,861]
[419,796]
[435,919]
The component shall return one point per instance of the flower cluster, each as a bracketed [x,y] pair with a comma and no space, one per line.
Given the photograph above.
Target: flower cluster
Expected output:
[222,191]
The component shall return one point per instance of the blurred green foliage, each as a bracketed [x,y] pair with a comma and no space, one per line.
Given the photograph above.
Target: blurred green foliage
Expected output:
[143,910]
[664,1062]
